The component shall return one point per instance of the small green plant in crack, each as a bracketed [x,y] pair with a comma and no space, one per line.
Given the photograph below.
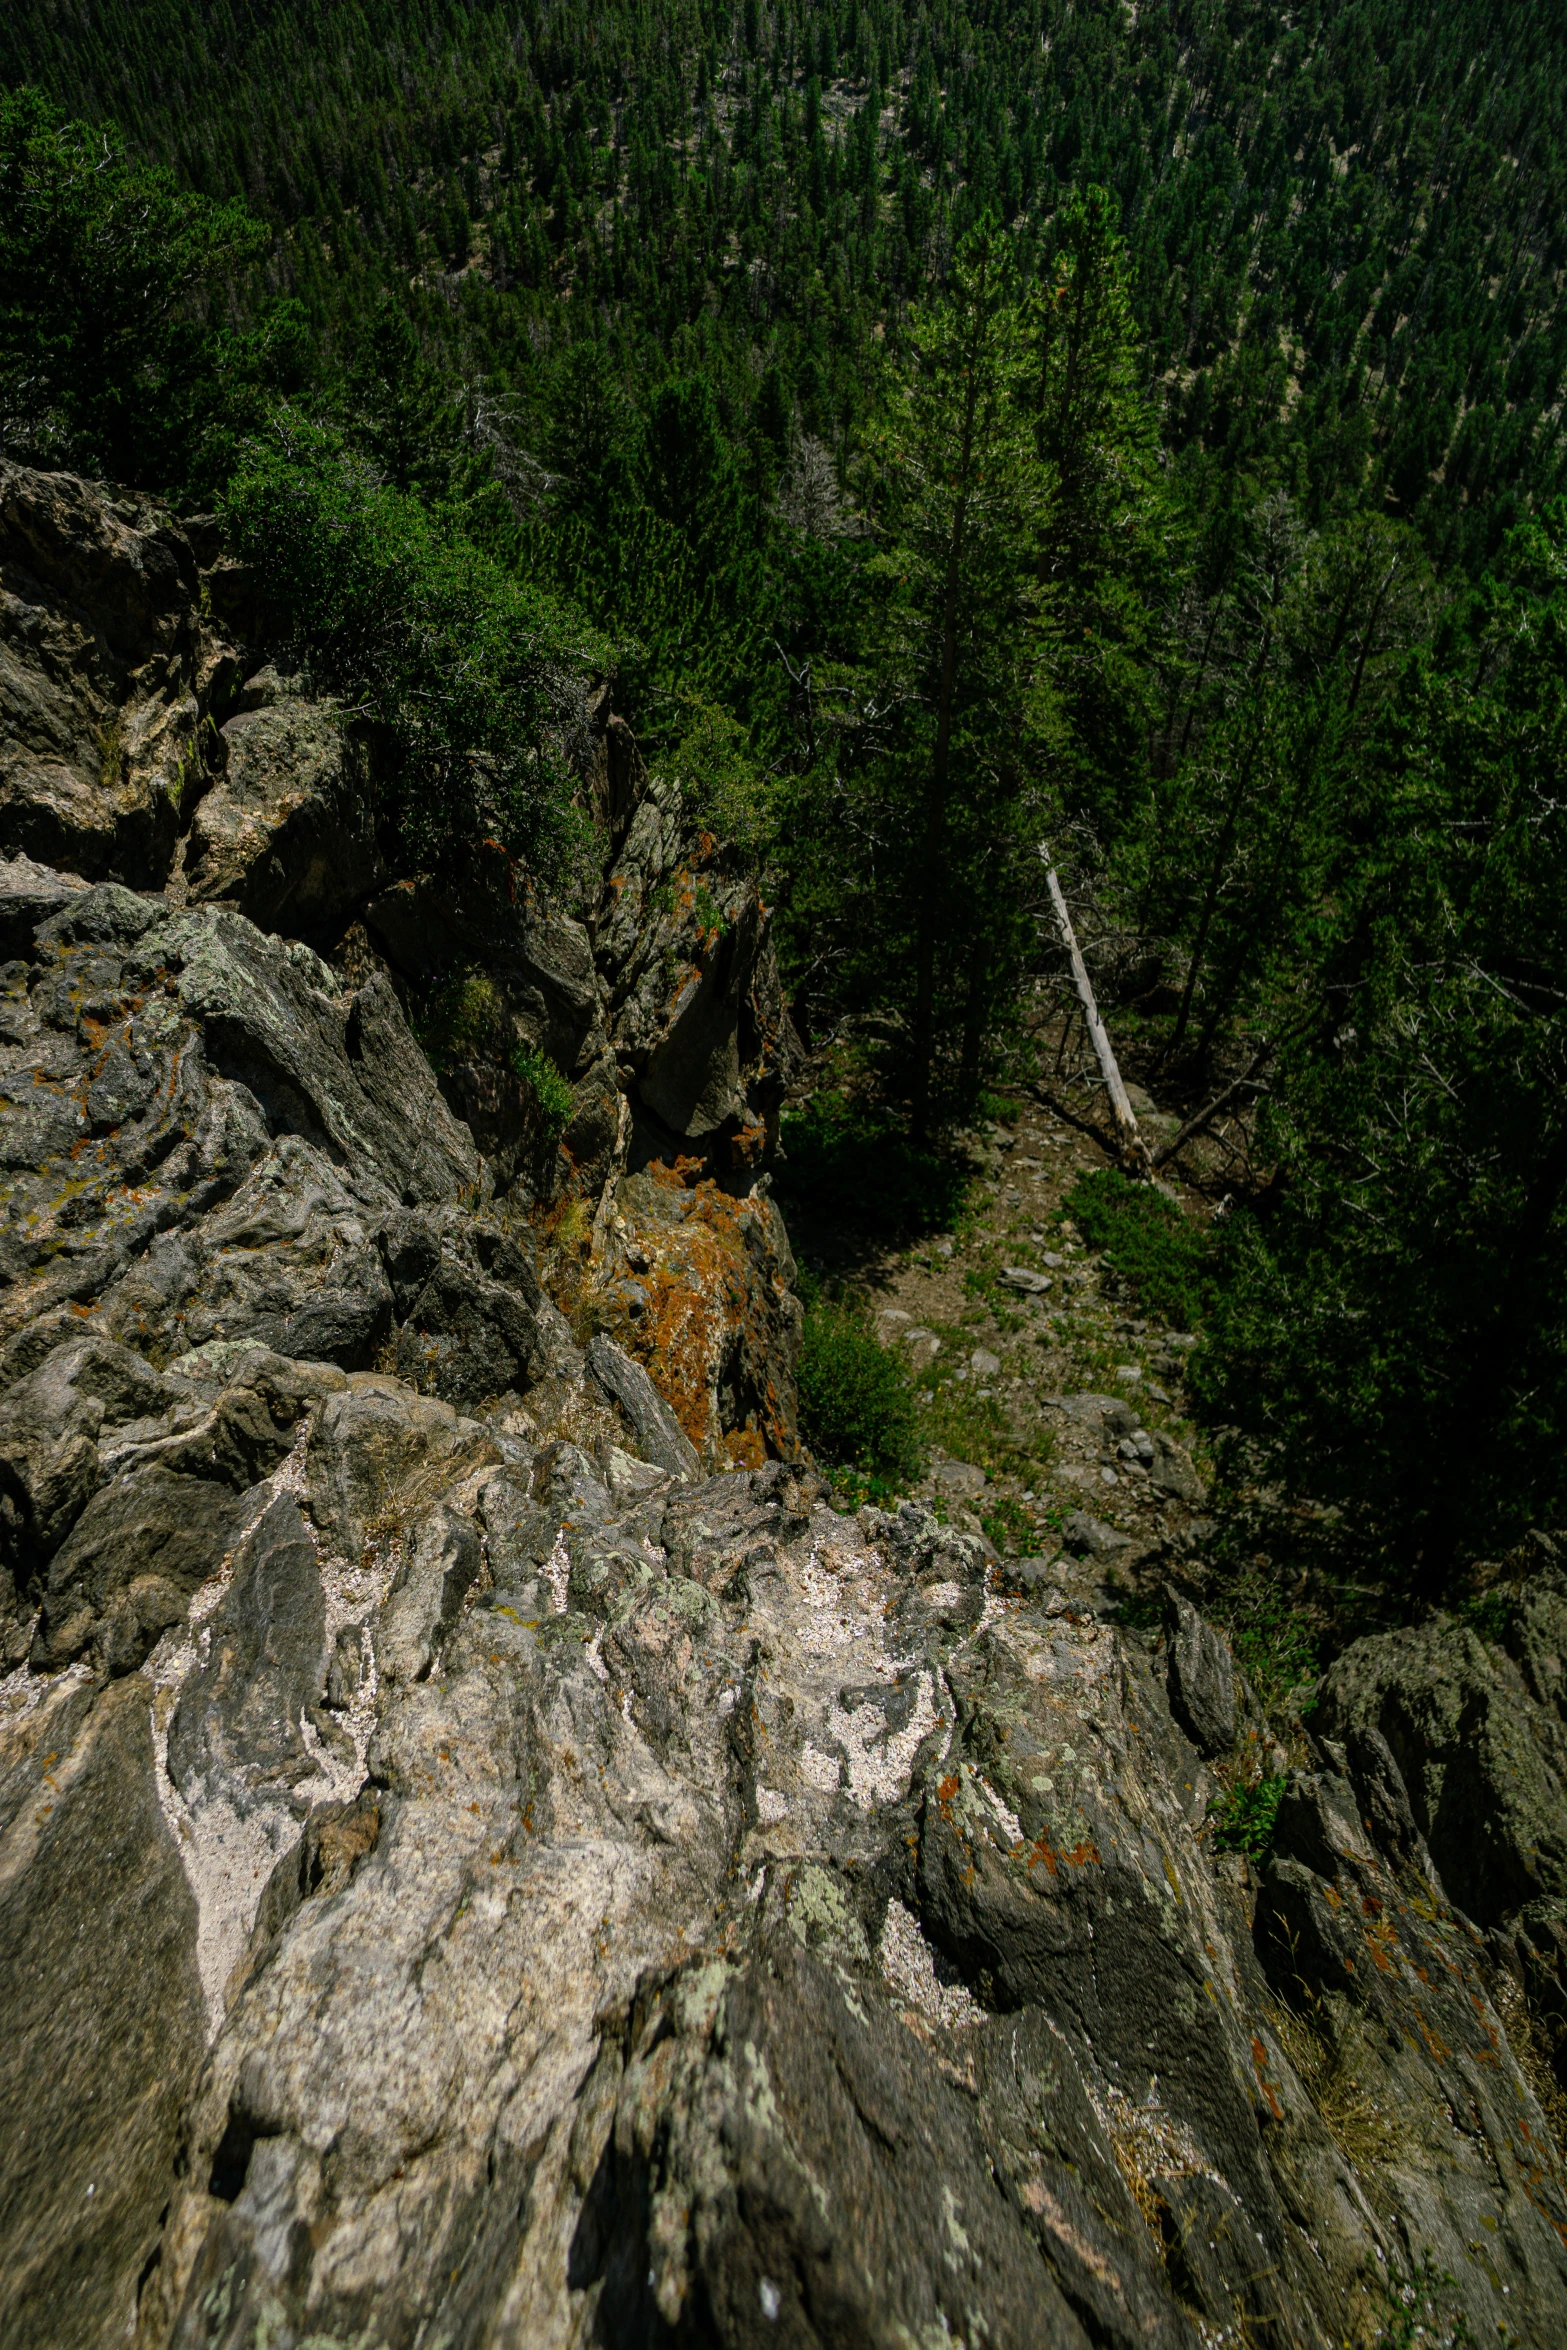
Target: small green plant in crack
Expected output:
[1009,1523]
[1244,1821]
[708,915]
[458,1019]
[550,1089]
[1418,2313]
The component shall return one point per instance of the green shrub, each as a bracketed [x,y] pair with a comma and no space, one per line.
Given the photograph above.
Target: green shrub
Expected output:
[465,675]
[1145,1238]
[1246,1817]
[459,1019]
[856,1403]
[551,1090]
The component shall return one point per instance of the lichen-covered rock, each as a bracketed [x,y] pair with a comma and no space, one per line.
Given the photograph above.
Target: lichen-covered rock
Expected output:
[285,834]
[104,671]
[698,1286]
[1407,2056]
[615,1905]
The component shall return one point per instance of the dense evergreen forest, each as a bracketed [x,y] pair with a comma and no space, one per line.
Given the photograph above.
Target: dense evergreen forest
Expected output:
[958,427]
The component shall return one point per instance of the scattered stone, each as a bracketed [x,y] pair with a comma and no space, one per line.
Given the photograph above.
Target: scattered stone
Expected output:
[1171,1469]
[984,1362]
[1090,1537]
[1021,1277]
[960,1477]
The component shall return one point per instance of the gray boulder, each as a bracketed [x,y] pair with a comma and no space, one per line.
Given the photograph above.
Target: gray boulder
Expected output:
[1201,1679]
[1090,1537]
[1483,1761]
[1171,1469]
[660,1437]
[285,834]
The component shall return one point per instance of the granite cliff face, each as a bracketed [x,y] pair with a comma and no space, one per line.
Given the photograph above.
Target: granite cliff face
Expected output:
[487,1855]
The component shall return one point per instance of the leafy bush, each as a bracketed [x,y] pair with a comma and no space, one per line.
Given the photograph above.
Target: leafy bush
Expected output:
[459,1019]
[856,1403]
[467,676]
[1156,1250]
[551,1090]
[1246,1817]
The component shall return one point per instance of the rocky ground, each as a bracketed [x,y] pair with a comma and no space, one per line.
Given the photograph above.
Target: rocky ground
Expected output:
[1025,1363]
[489,1855]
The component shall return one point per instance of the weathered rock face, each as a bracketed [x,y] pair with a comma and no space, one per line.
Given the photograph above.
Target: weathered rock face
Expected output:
[284,833]
[695,1008]
[612,1907]
[1479,1734]
[104,672]
[487,1856]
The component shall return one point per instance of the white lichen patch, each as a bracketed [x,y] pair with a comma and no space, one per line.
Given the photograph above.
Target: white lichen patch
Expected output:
[1011,1826]
[557,1573]
[910,1971]
[879,1760]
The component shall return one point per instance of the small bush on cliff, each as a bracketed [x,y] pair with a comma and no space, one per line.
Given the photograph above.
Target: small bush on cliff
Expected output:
[551,1090]
[467,677]
[856,1403]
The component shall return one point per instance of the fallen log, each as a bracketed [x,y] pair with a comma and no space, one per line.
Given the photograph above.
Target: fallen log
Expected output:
[1130,1144]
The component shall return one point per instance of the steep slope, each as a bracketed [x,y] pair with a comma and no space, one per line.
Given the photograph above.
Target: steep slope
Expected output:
[487,1854]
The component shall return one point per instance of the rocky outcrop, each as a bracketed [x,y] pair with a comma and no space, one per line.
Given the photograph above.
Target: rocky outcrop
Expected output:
[251,806]
[105,672]
[285,831]
[610,1906]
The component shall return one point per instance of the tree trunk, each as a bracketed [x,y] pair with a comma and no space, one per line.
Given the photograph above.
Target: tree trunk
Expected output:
[1130,1142]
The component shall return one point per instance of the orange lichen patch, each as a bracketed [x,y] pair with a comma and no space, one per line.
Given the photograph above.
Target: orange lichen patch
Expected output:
[709,1315]
[1259,2058]
[1435,2044]
[684,1175]
[748,1148]
[1381,1935]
